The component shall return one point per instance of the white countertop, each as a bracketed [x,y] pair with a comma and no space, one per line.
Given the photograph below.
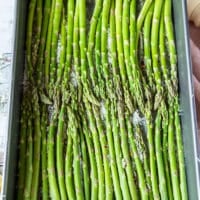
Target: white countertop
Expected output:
[6,41]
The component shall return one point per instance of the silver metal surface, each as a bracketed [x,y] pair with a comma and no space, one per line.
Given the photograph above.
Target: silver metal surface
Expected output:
[187,101]
[188,116]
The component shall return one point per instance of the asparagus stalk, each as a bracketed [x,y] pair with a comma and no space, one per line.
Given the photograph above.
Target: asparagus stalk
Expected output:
[60,155]
[53,183]
[172,157]
[122,67]
[70,28]
[147,48]
[43,38]
[179,142]
[118,152]
[31,11]
[105,152]
[171,44]
[92,158]
[163,60]
[98,152]
[144,193]
[139,96]
[83,54]
[45,186]
[29,159]
[22,150]
[153,169]
[159,158]
[118,22]
[86,167]
[104,40]
[174,81]
[48,45]
[142,141]
[82,41]
[169,88]
[54,43]
[113,53]
[73,130]
[141,17]
[154,44]
[37,31]
[113,165]
[36,148]
[125,152]
[165,123]
[91,42]
[69,182]
[61,64]
[101,80]
[126,43]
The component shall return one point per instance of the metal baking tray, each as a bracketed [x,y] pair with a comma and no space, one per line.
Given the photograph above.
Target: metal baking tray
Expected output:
[188,114]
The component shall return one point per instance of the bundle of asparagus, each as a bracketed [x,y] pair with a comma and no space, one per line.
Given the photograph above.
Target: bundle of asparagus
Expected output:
[100,108]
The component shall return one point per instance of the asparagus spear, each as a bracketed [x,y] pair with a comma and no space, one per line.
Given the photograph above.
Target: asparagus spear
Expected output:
[113,165]
[83,54]
[92,158]
[31,11]
[159,157]
[59,153]
[73,130]
[163,59]
[45,186]
[105,152]
[141,17]
[144,193]
[122,67]
[98,151]
[125,152]
[147,48]
[53,183]
[48,46]
[171,44]
[142,147]
[54,43]
[118,152]
[154,45]
[43,38]
[69,182]
[139,96]
[86,167]
[113,52]
[36,148]
[179,142]
[82,41]
[104,39]
[70,28]
[174,83]
[37,31]
[63,43]
[22,150]
[167,81]
[101,81]
[91,42]
[29,160]
[153,169]
[172,156]
[126,43]
[165,122]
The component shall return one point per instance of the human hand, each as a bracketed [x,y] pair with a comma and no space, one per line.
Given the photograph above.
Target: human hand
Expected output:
[195,55]
[193,8]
